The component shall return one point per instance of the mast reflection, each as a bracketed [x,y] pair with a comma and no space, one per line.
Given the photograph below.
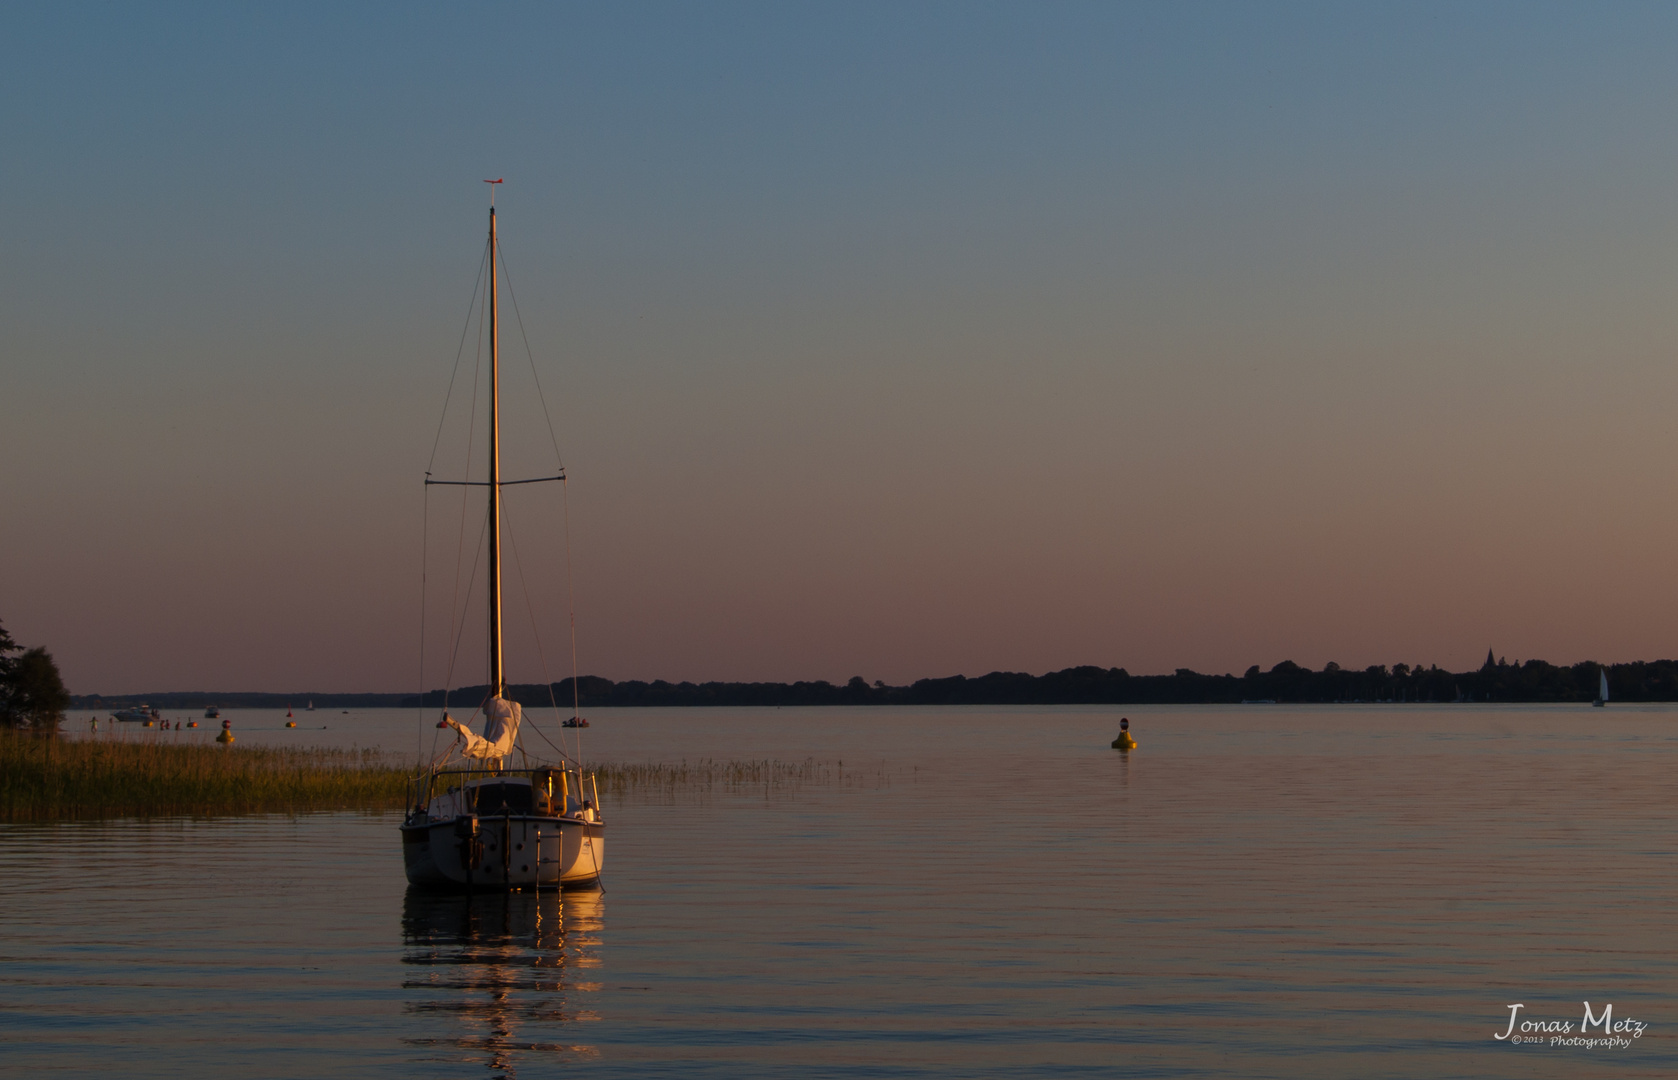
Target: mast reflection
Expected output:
[498,973]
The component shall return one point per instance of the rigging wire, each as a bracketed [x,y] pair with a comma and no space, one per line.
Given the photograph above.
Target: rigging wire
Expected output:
[565,497]
[460,542]
[535,631]
[531,356]
[459,352]
[460,628]
[425,512]
[560,750]
[425,562]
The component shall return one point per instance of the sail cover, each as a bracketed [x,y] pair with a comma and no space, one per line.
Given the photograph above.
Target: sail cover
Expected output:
[501,728]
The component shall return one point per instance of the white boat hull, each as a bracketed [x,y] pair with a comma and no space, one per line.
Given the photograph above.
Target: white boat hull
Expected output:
[515,851]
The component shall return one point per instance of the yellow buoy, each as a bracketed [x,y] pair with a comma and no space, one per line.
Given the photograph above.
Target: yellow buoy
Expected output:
[225,737]
[291,723]
[1124,742]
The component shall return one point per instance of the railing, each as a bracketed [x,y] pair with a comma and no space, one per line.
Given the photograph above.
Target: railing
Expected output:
[552,791]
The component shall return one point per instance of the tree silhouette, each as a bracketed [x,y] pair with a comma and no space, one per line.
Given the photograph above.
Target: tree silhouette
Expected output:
[32,694]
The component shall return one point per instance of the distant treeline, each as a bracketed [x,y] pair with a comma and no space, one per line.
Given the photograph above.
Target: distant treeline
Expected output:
[1496,680]
[1289,682]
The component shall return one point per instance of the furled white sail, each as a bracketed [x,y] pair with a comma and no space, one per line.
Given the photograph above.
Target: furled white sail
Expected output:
[501,729]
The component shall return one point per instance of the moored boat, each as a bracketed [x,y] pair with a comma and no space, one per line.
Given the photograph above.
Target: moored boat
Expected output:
[504,829]
[472,821]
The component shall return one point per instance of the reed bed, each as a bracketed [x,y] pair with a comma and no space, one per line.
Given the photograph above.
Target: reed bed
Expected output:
[47,779]
[769,777]
[50,779]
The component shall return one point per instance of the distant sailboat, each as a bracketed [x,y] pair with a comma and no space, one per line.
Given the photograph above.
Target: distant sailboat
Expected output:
[1602,688]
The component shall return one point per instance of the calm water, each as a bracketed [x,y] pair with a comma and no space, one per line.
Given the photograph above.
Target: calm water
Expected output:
[1255,892]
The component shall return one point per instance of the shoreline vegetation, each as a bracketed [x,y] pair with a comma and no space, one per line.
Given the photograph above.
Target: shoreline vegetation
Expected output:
[1533,681]
[61,779]
[53,779]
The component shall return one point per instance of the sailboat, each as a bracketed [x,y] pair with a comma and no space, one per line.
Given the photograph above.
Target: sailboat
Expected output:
[1602,688]
[476,823]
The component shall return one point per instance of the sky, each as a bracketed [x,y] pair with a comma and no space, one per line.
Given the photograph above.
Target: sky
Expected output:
[888,340]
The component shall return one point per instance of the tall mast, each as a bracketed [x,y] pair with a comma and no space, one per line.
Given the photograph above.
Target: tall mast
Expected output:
[497,683]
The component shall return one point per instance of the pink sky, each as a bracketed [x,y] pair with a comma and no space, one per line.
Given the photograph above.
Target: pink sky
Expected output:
[873,349]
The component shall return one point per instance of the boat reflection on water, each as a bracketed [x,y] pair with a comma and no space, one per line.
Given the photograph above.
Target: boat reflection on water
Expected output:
[501,974]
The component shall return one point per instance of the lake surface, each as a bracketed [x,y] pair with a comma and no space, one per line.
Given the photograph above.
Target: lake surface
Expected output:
[1264,891]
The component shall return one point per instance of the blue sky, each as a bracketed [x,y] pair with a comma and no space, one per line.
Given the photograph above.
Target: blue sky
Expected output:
[892,340]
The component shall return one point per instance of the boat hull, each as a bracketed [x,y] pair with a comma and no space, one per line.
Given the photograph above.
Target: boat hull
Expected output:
[517,851]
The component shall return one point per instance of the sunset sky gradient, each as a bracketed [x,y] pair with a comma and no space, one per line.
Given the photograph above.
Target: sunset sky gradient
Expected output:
[883,340]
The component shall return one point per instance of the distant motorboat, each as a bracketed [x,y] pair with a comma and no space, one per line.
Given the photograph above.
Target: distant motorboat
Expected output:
[575,721]
[1602,688]
[212,713]
[142,714]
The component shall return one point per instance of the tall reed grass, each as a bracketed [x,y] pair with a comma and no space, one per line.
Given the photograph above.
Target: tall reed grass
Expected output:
[47,779]
[44,779]
[769,777]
